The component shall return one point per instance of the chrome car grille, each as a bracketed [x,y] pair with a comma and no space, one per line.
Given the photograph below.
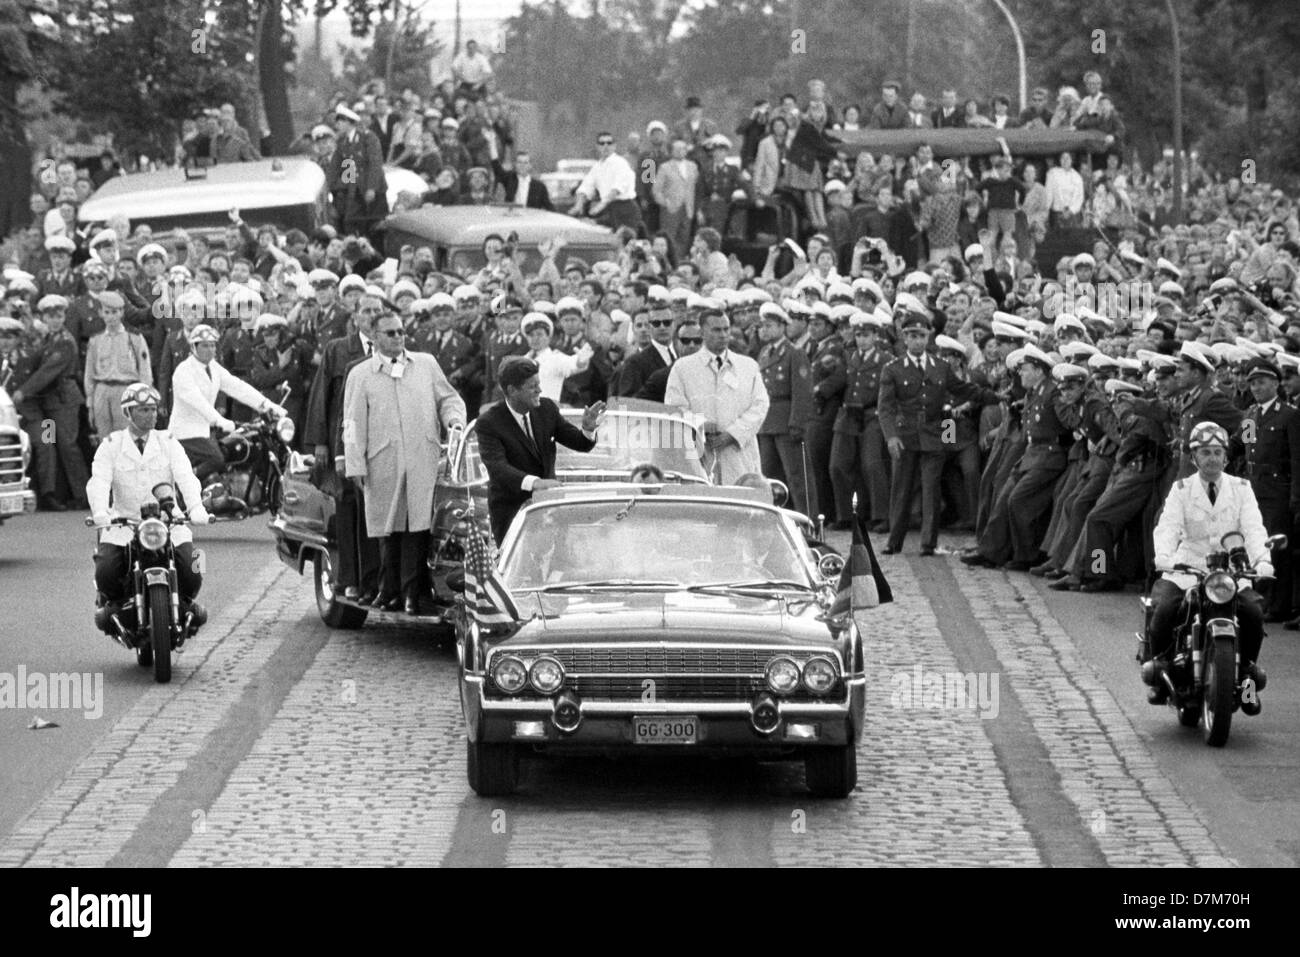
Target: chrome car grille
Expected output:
[665,661]
[11,459]
[674,688]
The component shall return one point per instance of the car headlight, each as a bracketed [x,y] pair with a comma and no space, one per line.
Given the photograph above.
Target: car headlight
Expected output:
[285,429]
[546,675]
[819,675]
[1220,588]
[509,674]
[25,441]
[782,675]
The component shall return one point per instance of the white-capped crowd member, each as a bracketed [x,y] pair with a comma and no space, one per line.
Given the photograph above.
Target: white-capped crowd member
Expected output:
[115,359]
[553,367]
[196,385]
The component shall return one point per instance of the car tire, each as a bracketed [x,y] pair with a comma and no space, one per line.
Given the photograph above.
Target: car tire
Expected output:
[831,772]
[493,769]
[332,611]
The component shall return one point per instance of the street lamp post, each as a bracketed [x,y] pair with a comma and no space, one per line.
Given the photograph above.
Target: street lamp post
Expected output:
[1020,52]
[1178,116]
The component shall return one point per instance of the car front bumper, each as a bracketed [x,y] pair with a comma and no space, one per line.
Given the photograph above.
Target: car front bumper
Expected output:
[607,725]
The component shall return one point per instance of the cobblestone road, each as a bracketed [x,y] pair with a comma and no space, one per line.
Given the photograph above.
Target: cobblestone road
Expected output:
[281,742]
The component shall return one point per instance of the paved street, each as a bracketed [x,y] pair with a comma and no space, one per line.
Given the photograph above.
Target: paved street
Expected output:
[282,742]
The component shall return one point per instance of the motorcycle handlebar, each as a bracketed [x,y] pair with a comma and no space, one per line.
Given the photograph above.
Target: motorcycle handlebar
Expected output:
[133,522]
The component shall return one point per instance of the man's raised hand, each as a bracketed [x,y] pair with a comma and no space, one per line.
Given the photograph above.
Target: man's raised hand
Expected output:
[593,417]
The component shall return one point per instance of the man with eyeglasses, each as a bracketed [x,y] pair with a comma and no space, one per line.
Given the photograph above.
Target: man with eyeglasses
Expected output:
[687,341]
[659,354]
[397,405]
[607,193]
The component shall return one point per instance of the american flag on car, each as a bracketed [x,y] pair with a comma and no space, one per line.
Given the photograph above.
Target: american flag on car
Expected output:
[490,601]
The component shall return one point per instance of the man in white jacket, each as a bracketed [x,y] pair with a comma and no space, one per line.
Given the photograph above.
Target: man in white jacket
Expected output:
[1199,511]
[197,383]
[725,391]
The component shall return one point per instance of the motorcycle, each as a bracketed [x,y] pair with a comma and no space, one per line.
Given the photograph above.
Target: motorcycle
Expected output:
[1203,676]
[150,623]
[256,456]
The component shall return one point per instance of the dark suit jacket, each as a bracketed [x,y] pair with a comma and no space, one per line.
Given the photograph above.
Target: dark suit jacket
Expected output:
[325,403]
[656,387]
[637,369]
[509,457]
[911,406]
[538,195]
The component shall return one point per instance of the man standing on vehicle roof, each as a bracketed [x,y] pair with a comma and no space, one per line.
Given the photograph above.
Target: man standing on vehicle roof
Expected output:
[356,175]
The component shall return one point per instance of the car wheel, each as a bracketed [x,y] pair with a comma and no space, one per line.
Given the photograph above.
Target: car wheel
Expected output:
[332,611]
[493,768]
[831,772]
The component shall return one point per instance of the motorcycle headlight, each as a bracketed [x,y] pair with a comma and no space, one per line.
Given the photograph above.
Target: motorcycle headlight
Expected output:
[153,534]
[1220,588]
[546,675]
[819,675]
[782,675]
[285,429]
[509,674]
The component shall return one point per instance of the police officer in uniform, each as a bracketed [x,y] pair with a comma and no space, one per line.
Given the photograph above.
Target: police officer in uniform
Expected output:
[1269,444]
[1015,527]
[190,307]
[788,380]
[50,392]
[239,342]
[505,340]
[859,458]
[829,380]
[60,279]
[915,389]
[128,466]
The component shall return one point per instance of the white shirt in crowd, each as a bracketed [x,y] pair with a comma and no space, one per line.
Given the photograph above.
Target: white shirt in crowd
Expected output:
[610,180]
[554,367]
[1064,190]
[472,69]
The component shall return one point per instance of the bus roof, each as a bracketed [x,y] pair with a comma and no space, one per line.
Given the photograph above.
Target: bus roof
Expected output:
[470,225]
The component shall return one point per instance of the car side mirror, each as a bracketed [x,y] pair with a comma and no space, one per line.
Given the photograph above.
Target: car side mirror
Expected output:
[780,492]
[831,567]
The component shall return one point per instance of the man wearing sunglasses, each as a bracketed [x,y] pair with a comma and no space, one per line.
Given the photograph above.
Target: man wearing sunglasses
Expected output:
[660,354]
[607,193]
[687,342]
[397,407]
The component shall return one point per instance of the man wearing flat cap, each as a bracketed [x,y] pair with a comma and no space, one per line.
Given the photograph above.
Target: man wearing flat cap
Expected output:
[356,175]
[1268,447]
[917,391]
[695,130]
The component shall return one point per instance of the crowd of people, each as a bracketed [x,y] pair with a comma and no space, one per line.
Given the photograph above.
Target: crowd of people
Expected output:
[1046,412]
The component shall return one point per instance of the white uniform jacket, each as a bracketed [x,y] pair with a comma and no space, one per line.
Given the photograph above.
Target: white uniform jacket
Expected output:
[734,397]
[194,396]
[121,480]
[1190,528]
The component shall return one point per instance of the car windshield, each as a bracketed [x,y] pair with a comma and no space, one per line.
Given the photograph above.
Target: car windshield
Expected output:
[467,262]
[628,439]
[652,541]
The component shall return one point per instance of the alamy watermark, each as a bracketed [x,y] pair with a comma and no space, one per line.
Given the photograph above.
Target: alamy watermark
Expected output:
[56,691]
[919,689]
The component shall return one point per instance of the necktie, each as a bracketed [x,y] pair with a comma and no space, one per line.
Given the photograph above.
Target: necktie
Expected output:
[528,430]
[672,355]
[208,369]
[1213,493]
[366,345]
[718,360]
[139,444]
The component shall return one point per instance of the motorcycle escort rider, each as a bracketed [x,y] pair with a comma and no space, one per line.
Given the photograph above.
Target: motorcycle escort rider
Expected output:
[196,385]
[128,466]
[1198,512]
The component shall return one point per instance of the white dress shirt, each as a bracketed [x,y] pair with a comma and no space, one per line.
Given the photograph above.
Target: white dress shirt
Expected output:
[1064,190]
[521,191]
[609,180]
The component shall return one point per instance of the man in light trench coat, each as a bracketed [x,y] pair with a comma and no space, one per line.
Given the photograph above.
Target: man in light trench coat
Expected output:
[394,403]
[725,391]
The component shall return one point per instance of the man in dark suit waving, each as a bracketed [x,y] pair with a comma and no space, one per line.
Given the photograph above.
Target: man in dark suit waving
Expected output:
[516,440]
[521,187]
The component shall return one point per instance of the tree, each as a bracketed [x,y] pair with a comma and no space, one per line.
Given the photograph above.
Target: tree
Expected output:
[28,34]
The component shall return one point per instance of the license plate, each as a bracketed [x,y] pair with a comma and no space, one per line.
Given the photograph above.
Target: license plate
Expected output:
[11,505]
[683,729]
